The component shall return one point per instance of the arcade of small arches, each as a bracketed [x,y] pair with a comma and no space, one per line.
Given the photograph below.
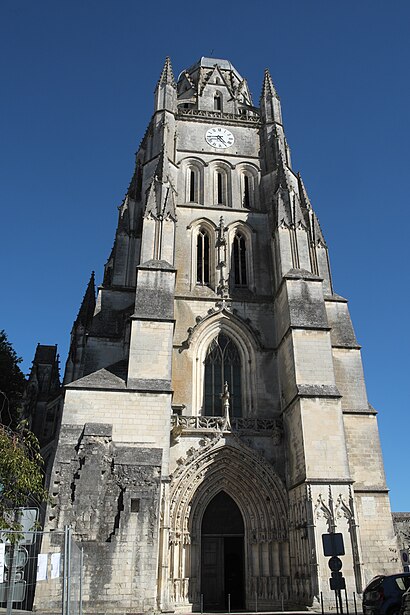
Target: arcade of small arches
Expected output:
[229,186]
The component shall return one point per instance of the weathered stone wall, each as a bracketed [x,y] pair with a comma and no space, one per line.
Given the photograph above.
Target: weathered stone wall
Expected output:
[138,418]
[378,541]
[109,495]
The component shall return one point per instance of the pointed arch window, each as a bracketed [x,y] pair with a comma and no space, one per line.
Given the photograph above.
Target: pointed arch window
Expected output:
[240,277]
[202,257]
[217,102]
[193,185]
[249,187]
[222,364]
[192,188]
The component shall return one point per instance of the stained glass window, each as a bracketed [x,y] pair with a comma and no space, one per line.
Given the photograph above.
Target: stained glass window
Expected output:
[222,364]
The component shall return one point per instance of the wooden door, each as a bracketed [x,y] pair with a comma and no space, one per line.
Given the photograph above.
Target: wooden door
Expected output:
[212,585]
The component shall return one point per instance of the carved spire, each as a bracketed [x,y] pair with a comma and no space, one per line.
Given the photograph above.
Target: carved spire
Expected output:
[315,231]
[167,75]
[87,307]
[124,216]
[303,193]
[283,202]
[269,101]
[268,89]
[289,209]
[283,177]
[162,168]
[165,92]
[160,202]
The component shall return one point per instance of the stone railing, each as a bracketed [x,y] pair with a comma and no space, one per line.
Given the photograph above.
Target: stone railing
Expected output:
[249,116]
[180,424]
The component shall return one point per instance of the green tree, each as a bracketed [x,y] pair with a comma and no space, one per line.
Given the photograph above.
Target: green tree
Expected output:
[12,383]
[21,476]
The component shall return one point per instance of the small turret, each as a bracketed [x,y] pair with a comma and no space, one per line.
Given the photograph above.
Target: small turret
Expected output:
[273,136]
[42,398]
[269,101]
[165,92]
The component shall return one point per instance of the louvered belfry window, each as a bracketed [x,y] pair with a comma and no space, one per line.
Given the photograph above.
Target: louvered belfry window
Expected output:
[192,186]
[239,260]
[202,258]
[246,192]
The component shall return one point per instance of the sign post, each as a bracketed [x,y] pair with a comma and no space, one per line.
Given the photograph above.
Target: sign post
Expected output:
[333,547]
[404,556]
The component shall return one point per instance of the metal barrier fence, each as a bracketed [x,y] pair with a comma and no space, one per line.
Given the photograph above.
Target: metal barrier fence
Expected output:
[39,568]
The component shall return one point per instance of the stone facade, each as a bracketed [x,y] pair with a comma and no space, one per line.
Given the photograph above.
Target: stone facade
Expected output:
[217,368]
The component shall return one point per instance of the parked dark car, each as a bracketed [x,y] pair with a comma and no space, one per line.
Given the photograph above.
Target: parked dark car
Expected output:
[384,593]
[405,603]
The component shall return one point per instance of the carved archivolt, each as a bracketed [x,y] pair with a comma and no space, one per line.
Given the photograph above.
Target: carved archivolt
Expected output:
[227,464]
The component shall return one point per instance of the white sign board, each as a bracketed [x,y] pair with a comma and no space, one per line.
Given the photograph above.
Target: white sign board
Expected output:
[42,560]
[27,518]
[55,565]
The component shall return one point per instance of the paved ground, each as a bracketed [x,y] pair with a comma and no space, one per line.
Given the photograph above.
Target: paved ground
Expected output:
[20,612]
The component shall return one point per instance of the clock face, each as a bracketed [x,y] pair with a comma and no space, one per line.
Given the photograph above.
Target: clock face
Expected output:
[218,137]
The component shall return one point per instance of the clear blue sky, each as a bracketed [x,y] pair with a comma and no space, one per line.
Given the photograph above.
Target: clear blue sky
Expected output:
[77,82]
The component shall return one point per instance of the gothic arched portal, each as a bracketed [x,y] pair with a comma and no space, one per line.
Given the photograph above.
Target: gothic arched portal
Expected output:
[254,494]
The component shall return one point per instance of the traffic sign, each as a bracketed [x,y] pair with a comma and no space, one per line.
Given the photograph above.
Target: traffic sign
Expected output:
[333,544]
[21,558]
[337,581]
[28,518]
[335,564]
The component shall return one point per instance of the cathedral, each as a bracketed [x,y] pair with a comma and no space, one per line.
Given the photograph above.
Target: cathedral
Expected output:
[215,422]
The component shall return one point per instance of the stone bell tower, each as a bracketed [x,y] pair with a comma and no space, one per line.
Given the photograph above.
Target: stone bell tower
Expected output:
[215,420]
